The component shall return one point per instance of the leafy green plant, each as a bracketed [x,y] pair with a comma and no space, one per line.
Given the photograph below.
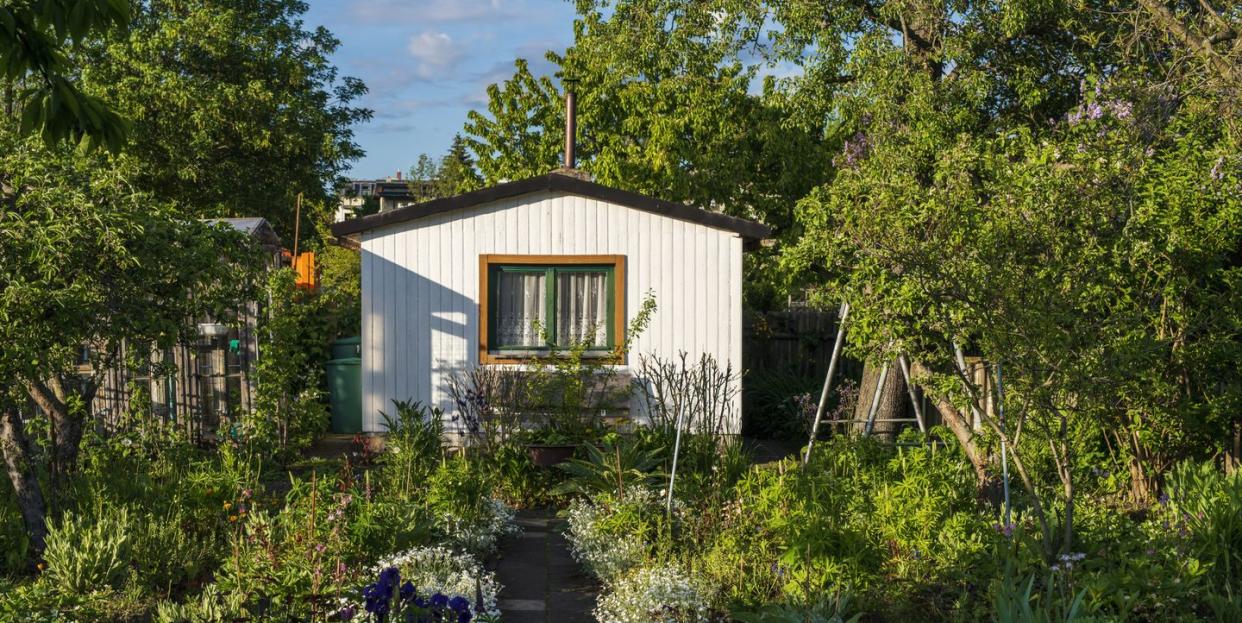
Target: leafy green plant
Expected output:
[1207,505]
[1016,601]
[87,552]
[612,467]
[211,606]
[834,610]
[413,447]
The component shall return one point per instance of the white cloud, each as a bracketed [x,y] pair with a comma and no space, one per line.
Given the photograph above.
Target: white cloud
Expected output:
[429,11]
[436,52]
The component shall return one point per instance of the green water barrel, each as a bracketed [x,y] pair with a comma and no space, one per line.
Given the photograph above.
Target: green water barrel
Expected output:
[347,347]
[345,386]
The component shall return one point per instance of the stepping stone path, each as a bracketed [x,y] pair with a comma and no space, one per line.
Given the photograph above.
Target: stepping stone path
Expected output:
[541,581]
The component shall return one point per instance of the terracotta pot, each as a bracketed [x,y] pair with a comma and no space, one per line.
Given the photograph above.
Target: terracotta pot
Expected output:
[548,455]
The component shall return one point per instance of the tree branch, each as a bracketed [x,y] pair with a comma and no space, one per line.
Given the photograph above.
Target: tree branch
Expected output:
[1174,26]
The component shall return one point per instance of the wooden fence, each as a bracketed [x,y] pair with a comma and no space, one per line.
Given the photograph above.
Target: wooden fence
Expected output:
[796,341]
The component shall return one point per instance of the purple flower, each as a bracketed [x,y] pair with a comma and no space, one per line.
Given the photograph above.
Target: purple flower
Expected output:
[346,613]
[439,600]
[390,577]
[459,604]
[407,590]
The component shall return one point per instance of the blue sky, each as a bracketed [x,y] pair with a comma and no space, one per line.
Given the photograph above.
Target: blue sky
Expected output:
[428,62]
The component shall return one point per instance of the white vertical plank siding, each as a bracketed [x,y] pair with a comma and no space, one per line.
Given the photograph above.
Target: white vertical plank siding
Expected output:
[365,349]
[420,287]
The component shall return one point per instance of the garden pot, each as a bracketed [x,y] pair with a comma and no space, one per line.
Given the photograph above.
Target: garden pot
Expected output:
[545,455]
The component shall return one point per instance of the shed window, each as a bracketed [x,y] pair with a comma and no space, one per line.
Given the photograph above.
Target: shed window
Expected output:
[535,304]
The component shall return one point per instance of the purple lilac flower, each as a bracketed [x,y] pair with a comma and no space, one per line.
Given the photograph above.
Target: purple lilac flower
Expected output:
[855,148]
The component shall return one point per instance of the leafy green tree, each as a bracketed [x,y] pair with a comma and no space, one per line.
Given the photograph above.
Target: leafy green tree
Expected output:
[457,173]
[668,106]
[453,175]
[35,37]
[1005,186]
[236,107]
[87,265]
[1049,185]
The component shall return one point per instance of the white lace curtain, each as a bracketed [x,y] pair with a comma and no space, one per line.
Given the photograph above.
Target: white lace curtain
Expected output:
[581,308]
[522,311]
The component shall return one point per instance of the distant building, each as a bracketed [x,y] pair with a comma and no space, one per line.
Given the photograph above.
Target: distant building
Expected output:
[362,197]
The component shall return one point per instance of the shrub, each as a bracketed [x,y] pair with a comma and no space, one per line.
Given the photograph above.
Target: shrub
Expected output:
[85,553]
[659,594]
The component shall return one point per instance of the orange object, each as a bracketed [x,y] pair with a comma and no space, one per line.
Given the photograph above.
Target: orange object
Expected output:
[305,267]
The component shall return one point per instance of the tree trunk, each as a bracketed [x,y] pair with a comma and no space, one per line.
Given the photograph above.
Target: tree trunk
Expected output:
[20,467]
[894,401]
[66,426]
[962,425]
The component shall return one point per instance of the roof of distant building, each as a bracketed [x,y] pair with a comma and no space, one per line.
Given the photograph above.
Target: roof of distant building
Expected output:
[255,226]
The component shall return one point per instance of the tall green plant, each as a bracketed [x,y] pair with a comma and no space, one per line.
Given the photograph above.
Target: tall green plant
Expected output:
[87,552]
[1207,505]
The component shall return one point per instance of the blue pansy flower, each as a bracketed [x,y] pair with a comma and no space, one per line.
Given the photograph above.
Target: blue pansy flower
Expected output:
[459,604]
[390,577]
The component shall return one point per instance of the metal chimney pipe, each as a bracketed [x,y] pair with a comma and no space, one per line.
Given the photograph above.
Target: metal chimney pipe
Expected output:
[571,123]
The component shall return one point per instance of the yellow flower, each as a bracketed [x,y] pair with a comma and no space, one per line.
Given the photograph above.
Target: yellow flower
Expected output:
[242,512]
[232,517]
[41,566]
[228,505]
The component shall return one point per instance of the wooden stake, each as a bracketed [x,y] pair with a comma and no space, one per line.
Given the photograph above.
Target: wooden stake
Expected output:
[297,226]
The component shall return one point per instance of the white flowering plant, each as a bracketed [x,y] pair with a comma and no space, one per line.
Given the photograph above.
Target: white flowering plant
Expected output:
[607,535]
[660,594]
[479,534]
[429,574]
[465,513]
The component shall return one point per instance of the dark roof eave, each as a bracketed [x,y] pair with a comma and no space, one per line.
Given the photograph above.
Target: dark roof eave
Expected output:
[749,230]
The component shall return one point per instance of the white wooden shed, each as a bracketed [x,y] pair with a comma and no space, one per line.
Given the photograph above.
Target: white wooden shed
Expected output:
[459,282]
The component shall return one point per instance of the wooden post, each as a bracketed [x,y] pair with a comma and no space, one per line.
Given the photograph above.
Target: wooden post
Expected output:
[297,226]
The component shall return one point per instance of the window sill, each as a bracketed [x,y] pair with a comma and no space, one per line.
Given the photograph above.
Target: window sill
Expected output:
[527,356]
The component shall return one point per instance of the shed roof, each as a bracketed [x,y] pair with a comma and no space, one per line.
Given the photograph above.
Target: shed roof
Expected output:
[556,181]
[255,226]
